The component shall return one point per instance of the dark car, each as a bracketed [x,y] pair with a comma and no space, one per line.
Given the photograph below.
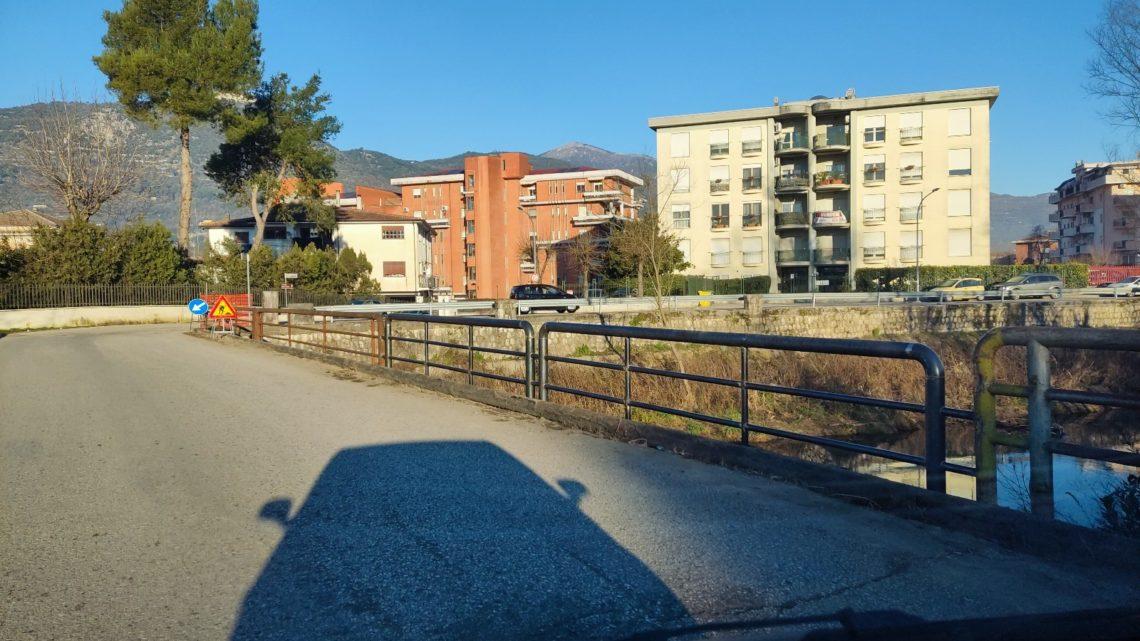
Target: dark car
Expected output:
[524,293]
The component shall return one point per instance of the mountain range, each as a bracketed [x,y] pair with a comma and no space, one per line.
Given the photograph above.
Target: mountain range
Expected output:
[156,195]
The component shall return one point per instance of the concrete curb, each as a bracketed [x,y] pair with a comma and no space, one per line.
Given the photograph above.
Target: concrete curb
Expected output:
[1017,531]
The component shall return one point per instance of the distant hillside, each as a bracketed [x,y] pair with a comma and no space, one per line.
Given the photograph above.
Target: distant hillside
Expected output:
[1014,217]
[579,153]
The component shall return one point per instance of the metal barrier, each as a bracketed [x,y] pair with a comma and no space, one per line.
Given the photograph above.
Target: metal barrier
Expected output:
[1040,441]
[933,407]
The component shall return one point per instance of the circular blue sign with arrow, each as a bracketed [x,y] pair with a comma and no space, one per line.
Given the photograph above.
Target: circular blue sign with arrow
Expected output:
[198,307]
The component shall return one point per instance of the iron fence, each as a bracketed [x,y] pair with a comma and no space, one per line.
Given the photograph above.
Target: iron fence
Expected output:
[29,296]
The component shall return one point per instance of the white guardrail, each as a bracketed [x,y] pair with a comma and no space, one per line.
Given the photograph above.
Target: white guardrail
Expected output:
[724,301]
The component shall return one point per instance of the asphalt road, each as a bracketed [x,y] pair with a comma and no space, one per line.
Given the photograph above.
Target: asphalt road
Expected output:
[157,486]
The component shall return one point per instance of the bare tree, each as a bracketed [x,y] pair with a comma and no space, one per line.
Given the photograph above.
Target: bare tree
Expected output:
[546,250]
[585,253]
[1040,243]
[80,156]
[1115,71]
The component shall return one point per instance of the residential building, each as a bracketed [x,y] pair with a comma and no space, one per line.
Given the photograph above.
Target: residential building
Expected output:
[1035,250]
[1098,213]
[280,235]
[16,226]
[398,247]
[499,222]
[807,192]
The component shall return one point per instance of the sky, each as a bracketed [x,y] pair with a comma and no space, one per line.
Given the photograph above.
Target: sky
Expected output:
[421,80]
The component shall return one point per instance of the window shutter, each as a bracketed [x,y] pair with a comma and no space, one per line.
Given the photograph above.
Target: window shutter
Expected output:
[958,202]
[959,124]
[959,240]
[679,145]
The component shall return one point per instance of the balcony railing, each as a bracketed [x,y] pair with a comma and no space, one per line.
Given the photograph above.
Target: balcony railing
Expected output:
[831,140]
[875,173]
[526,198]
[910,254]
[751,147]
[801,255]
[719,185]
[874,254]
[791,218]
[751,220]
[752,258]
[601,194]
[874,216]
[793,142]
[719,150]
[831,180]
[833,255]
[911,175]
[830,218]
[1055,217]
[910,214]
[792,182]
[586,220]
[910,135]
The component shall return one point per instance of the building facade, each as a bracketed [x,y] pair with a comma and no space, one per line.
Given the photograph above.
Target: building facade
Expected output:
[500,223]
[807,192]
[398,248]
[17,226]
[1098,214]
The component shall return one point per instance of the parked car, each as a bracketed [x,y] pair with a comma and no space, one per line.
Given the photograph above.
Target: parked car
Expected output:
[622,292]
[957,289]
[1128,286]
[541,292]
[1030,286]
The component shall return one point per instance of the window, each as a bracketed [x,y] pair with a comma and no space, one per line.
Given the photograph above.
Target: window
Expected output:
[960,162]
[471,181]
[583,210]
[580,188]
[718,143]
[394,269]
[910,238]
[908,206]
[910,166]
[720,248]
[470,249]
[392,232]
[752,177]
[874,129]
[959,240]
[752,216]
[680,178]
[959,122]
[679,145]
[910,126]
[599,186]
[417,214]
[417,192]
[471,228]
[958,202]
[685,245]
[242,237]
[874,168]
[469,203]
[751,140]
[874,246]
[874,208]
[720,216]
[471,274]
[681,217]
[752,250]
[718,179]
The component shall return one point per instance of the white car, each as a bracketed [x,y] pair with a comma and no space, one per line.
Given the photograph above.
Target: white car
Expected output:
[1129,286]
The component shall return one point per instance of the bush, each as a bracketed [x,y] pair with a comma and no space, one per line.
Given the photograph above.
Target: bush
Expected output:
[319,271]
[690,285]
[871,279]
[148,256]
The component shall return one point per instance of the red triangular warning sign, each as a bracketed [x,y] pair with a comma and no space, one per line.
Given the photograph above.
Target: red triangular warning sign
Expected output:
[222,309]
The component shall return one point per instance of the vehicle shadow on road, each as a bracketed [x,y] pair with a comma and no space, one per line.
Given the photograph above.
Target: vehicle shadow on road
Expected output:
[447,540]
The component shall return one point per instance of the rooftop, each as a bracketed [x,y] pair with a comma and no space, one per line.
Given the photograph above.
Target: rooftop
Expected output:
[25,218]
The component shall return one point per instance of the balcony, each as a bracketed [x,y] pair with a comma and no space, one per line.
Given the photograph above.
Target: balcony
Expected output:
[792,256]
[466,191]
[874,216]
[719,150]
[875,174]
[526,267]
[874,254]
[832,181]
[831,141]
[830,218]
[591,220]
[835,255]
[910,214]
[439,223]
[1055,217]
[910,254]
[791,219]
[792,182]
[528,198]
[751,147]
[795,143]
[602,194]
[910,175]
[910,135]
[751,220]
[1123,223]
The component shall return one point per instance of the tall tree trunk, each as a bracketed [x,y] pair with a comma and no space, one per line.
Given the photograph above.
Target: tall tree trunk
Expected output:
[640,278]
[187,185]
[259,218]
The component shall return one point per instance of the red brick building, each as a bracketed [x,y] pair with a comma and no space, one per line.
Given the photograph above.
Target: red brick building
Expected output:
[493,214]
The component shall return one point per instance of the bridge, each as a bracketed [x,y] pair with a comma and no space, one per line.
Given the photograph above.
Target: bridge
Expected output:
[162,487]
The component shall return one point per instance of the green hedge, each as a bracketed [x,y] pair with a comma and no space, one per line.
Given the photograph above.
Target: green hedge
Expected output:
[902,278]
[690,285]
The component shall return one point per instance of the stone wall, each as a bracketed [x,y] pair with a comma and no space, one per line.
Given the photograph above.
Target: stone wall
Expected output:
[50,317]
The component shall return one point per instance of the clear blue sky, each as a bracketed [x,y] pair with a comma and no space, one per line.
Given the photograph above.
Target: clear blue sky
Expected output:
[424,80]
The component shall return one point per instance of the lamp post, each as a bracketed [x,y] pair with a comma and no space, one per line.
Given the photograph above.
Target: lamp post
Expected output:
[917,237]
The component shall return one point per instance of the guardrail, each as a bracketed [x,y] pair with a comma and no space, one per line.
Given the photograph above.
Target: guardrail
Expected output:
[32,296]
[933,406]
[1040,441]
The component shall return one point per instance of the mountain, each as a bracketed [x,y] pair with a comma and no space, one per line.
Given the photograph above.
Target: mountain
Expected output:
[1014,217]
[581,154]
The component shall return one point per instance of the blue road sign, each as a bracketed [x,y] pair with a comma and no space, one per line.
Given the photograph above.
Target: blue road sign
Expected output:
[199,307]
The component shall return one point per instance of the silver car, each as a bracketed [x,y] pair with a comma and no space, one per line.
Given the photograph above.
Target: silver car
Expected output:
[1129,286]
[1030,286]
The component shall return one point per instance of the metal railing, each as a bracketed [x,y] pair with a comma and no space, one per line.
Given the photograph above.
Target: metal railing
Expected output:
[1040,441]
[793,255]
[792,181]
[786,218]
[30,296]
[790,142]
[933,405]
[834,255]
[831,138]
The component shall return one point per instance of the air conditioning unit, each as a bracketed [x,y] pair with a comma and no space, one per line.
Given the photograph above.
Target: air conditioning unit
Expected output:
[778,128]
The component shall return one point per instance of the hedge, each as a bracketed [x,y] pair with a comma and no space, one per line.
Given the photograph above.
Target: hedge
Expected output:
[690,285]
[871,279]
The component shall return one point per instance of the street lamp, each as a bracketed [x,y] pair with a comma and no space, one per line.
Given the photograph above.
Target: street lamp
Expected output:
[532,215]
[917,237]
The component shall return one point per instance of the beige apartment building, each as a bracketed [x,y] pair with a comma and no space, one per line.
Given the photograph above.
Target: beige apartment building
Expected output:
[809,191]
[1098,214]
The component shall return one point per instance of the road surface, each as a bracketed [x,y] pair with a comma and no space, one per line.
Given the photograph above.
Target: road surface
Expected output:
[157,486]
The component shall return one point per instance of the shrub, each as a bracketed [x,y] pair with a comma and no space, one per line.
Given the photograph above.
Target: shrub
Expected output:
[871,279]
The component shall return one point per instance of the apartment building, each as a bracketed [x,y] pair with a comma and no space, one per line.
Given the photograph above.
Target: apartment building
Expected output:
[809,191]
[1098,214]
[499,222]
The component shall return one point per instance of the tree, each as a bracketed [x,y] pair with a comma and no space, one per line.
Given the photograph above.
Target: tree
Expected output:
[75,253]
[1040,243]
[147,256]
[281,134]
[585,255]
[176,62]
[1114,73]
[77,157]
[13,261]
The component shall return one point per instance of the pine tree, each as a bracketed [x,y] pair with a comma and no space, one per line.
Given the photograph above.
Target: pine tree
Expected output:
[176,61]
